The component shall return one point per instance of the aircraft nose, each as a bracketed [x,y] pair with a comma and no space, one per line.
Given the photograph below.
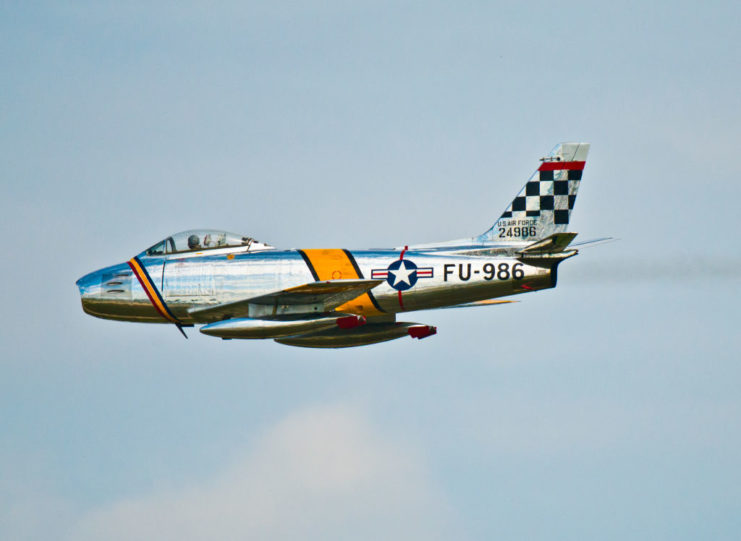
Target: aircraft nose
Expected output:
[89,285]
[106,293]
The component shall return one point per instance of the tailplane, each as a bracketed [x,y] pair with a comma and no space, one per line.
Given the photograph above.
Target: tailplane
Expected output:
[543,207]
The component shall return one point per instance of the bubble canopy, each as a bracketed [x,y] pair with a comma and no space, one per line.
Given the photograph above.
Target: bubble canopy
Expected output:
[199,240]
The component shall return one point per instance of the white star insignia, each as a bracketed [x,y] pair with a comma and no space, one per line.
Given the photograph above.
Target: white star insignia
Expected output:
[402,274]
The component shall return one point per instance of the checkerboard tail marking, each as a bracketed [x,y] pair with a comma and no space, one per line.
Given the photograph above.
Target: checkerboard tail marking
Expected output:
[543,206]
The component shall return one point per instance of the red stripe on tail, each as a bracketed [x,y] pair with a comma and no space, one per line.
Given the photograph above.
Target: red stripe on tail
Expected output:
[557,166]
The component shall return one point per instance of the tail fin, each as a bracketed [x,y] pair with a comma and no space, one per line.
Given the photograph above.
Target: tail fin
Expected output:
[544,205]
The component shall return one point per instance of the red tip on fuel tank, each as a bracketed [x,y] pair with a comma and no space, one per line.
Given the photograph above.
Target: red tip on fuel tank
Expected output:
[350,322]
[422,331]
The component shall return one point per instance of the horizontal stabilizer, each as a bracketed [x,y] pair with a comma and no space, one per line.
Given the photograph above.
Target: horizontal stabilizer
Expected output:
[554,244]
[315,297]
[549,251]
[593,242]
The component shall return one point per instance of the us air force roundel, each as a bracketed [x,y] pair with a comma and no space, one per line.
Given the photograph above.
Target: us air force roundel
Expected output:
[402,274]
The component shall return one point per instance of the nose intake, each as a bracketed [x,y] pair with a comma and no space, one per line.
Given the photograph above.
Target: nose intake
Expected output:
[106,293]
[89,284]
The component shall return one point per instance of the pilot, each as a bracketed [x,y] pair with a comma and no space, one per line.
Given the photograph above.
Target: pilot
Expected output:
[193,242]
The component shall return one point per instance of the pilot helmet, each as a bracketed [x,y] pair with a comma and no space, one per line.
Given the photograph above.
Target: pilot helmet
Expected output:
[193,241]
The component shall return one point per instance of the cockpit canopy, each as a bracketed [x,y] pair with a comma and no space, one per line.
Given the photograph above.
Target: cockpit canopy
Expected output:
[202,239]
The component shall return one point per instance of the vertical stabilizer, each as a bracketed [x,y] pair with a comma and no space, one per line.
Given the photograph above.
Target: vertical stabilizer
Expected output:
[543,206]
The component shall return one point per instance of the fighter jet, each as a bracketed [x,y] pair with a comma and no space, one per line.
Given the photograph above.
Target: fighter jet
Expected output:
[237,287]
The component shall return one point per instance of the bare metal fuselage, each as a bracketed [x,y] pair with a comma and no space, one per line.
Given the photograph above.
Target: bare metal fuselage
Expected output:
[200,280]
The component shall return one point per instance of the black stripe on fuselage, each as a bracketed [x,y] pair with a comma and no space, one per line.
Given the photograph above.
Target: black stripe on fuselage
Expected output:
[308,264]
[360,275]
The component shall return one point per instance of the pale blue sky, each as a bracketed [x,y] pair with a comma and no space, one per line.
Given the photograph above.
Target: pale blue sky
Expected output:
[607,408]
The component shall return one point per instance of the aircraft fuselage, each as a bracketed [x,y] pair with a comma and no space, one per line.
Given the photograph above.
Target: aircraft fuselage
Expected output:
[412,280]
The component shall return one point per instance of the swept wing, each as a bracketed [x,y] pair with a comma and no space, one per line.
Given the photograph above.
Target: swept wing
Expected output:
[314,297]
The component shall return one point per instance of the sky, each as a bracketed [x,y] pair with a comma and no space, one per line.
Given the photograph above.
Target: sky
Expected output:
[606,408]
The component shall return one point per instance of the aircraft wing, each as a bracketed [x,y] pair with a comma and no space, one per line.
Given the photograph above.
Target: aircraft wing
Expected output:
[314,297]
